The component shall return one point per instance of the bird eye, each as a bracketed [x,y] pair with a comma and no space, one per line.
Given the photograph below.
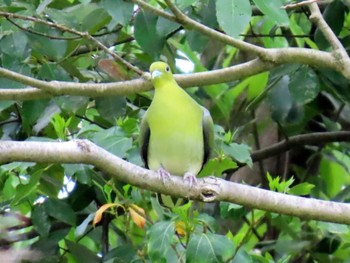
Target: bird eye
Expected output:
[167,69]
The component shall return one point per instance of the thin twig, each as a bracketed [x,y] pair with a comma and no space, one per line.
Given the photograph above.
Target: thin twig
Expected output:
[84,35]
[333,40]
[39,33]
[300,4]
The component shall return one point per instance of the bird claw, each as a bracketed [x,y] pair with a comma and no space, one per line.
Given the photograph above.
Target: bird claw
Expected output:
[190,178]
[163,174]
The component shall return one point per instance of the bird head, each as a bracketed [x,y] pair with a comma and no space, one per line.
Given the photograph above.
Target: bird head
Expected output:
[160,72]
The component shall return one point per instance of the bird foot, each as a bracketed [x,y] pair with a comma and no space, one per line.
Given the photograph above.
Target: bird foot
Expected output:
[163,174]
[191,178]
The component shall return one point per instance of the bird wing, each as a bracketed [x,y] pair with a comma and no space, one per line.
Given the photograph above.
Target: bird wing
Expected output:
[145,133]
[208,134]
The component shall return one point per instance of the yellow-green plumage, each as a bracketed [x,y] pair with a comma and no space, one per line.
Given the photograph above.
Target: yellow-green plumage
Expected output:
[176,132]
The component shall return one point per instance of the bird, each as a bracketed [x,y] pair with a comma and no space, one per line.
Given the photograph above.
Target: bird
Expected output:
[176,133]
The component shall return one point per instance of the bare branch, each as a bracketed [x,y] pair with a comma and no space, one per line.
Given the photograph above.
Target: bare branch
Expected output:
[318,19]
[339,53]
[207,190]
[55,88]
[301,140]
[297,5]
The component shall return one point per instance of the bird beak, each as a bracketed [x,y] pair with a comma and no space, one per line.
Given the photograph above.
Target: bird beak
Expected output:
[156,73]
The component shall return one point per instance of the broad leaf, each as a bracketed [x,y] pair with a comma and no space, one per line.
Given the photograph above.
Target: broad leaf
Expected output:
[60,210]
[233,15]
[304,85]
[273,10]
[160,239]
[239,152]
[112,107]
[119,10]
[113,140]
[146,33]
[41,220]
[210,248]
[81,253]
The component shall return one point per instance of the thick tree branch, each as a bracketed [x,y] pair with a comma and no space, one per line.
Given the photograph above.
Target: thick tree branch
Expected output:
[273,55]
[300,140]
[207,189]
[45,89]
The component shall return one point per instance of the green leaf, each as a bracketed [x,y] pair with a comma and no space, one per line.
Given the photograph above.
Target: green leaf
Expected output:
[182,4]
[239,152]
[15,45]
[51,180]
[113,140]
[231,211]
[46,47]
[119,10]
[217,166]
[60,126]
[16,65]
[6,104]
[338,229]
[304,85]
[165,26]
[160,239]
[256,84]
[233,15]
[197,41]
[96,20]
[60,210]
[111,107]
[273,10]
[24,190]
[243,256]
[146,33]
[280,100]
[81,253]
[268,27]
[81,196]
[301,189]
[273,182]
[41,220]
[46,116]
[209,248]
[330,170]
[52,71]
[276,184]
[8,190]
[124,253]
[82,172]
[182,210]
[72,104]
[31,111]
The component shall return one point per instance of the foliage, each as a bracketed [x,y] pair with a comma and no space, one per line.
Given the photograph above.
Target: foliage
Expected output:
[75,213]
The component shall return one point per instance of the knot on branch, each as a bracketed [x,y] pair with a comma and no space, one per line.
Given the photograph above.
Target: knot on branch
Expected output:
[83,145]
[210,189]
